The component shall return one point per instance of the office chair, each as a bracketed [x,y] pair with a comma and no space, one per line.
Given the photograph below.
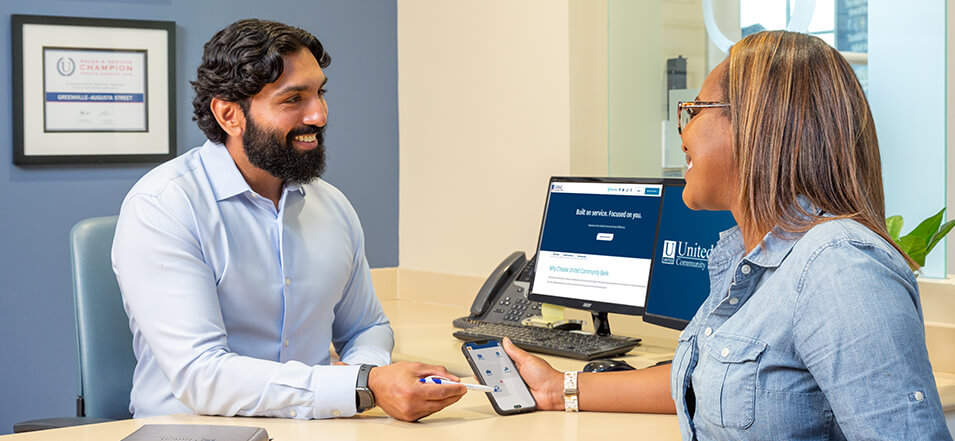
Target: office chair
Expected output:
[103,341]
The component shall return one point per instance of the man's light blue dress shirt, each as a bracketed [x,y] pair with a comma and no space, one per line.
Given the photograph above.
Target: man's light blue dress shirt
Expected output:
[233,303]
[819,338]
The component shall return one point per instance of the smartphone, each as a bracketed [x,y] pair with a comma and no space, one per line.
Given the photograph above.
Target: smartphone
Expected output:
[494,368]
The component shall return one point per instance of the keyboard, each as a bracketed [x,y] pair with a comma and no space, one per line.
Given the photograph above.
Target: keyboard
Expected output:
[552,341]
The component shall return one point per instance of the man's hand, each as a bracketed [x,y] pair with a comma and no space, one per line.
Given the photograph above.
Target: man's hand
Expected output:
[398,392]
[545,382]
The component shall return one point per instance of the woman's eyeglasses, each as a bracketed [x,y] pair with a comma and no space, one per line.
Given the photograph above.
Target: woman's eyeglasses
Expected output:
[686,110]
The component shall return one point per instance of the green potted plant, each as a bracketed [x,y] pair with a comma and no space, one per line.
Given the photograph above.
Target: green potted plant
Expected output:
[920,241]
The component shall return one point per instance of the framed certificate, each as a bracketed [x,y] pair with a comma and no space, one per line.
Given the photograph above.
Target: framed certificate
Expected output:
[90,90]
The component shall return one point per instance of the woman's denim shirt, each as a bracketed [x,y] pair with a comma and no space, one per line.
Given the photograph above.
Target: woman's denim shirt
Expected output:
[811,337]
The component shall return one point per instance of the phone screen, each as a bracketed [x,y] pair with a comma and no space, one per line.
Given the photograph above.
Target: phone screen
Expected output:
[494,368]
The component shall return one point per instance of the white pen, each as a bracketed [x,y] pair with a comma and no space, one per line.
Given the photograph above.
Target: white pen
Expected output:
[434,379]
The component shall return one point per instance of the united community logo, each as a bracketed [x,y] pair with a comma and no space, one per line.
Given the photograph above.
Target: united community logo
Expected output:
[65,66]
[681,253]
[669,251]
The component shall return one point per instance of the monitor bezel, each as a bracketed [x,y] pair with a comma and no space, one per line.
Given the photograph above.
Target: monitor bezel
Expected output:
[588,305]
[649,317]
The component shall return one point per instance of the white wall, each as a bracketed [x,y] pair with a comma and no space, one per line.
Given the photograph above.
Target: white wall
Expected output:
[484,117]
[588,87]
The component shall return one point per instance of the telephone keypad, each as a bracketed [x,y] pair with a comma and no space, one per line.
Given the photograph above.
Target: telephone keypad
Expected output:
[513,306]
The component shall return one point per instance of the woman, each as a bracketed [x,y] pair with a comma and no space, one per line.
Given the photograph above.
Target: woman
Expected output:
[813,327]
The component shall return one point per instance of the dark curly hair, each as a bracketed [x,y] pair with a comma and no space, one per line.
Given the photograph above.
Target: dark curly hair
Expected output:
[240,60]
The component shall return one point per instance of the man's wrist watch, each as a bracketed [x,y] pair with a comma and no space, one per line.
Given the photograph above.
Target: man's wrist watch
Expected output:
[570,391]
[364,398]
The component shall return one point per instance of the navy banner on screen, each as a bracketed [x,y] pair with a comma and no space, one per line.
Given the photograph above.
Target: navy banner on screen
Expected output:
[606,225]
[679,281]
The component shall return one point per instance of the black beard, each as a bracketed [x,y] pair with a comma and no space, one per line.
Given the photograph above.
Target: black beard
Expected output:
[267,151]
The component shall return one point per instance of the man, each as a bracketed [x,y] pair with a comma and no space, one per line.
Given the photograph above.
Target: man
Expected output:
[239,267]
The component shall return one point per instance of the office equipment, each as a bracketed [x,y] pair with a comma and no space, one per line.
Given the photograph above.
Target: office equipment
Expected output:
[594,253]
[679,280]
[493,367]
[595,245]
[503,297]
[103,340]
[582,346]
[607,365]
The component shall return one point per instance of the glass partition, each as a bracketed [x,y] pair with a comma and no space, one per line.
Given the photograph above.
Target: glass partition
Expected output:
[659,52]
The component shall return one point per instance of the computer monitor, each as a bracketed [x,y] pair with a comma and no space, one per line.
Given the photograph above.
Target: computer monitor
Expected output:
[596,244]
[679,279]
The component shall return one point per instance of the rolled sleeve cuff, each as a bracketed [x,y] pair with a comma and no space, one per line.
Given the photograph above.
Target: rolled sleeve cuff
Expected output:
[334,388]
[367,355]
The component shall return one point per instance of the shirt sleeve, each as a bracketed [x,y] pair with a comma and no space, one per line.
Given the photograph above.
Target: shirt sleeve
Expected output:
[859,330]
[361,331]
[170,296]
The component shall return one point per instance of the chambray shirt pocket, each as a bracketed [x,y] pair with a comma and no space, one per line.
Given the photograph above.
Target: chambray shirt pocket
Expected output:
[729,365]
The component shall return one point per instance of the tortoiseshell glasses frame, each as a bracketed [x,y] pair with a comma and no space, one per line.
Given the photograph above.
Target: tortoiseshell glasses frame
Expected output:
[691,108]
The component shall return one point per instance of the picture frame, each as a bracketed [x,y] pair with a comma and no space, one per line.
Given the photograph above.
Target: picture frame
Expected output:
[93,90]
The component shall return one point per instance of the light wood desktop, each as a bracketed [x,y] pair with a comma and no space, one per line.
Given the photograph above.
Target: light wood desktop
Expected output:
[423,333]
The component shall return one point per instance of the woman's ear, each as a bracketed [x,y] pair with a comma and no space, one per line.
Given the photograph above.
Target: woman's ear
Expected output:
[229,115]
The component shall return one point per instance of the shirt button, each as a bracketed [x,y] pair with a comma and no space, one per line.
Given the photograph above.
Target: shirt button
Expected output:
[734,301]
[288,282]
[745,269]
[919,396]
[286,342]
[726,351]
[336,413]
[708,331]
[292,414]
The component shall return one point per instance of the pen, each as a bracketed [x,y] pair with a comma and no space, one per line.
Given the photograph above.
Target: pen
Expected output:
[433,379]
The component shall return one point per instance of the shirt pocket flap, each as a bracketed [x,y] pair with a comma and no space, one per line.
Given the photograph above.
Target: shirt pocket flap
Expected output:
[685,336]
[734,348]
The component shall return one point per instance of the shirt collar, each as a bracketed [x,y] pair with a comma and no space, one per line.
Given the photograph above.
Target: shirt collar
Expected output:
[770,252]
[777,244]
[224,175]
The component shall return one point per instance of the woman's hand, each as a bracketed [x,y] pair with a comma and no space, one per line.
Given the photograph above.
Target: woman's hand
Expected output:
[545,382]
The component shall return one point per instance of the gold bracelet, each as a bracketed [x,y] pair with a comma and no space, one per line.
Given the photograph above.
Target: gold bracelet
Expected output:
[570,391]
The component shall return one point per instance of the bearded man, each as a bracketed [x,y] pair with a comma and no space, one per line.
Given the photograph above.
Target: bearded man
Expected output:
[239,266]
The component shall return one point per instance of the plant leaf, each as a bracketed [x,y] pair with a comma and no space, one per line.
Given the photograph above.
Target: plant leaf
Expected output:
[915,247]
[894,225]
[928,227]
[945,228]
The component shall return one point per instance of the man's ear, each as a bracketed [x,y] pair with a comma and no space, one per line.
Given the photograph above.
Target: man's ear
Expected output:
[229,115]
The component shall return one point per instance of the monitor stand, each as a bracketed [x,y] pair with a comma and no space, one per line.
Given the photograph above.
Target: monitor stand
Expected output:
[601,323]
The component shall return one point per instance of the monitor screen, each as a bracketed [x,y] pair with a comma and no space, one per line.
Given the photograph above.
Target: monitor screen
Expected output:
[680,281]
[596,243]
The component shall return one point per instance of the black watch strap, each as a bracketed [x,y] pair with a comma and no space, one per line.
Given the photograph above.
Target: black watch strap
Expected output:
[364,398]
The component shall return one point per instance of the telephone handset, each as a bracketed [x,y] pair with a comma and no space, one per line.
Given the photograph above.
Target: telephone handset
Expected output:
[503,297]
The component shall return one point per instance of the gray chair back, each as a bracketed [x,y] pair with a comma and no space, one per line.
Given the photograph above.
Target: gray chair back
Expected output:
[103,340]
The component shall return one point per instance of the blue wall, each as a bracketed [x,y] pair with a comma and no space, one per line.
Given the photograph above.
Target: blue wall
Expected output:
[38,205]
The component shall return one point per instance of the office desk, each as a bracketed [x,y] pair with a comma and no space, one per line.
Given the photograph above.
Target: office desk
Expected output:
[469,419]
[423,333]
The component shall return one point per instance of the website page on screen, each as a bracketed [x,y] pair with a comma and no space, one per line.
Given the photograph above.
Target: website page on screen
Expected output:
[597,241]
